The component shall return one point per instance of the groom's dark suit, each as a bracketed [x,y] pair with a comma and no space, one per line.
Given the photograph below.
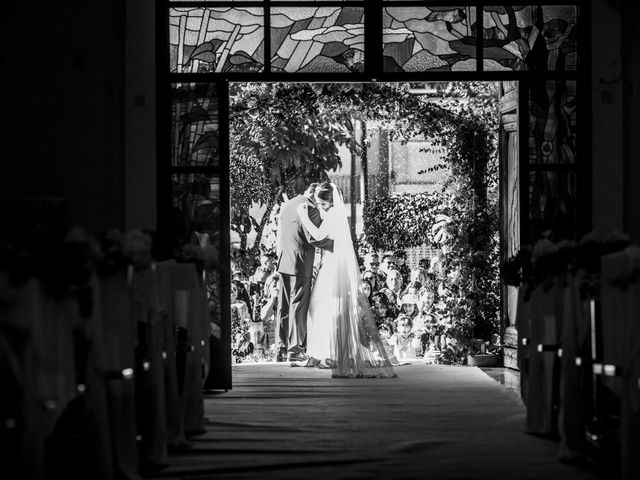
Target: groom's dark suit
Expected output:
[295,265]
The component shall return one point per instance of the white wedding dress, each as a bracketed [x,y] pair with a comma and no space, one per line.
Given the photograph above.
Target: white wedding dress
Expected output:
[341,330]
[319,321]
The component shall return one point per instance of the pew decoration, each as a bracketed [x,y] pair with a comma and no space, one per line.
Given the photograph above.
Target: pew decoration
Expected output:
[103,352]
[578,322]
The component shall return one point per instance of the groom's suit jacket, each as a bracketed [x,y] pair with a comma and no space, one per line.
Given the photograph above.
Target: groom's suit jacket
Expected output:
[297,246]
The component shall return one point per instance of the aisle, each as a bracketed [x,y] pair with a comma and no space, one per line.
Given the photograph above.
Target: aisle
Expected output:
[432,422]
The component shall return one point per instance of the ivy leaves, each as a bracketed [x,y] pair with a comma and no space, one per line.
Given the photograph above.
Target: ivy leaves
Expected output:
[284,129]
[402,221]
[462,219]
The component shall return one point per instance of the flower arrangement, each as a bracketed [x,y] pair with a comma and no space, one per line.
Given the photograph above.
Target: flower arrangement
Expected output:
[64,261]
[60,260]
[136,247]
[541,264]
[633,274]
[205,257]
[112,256]
[120,249]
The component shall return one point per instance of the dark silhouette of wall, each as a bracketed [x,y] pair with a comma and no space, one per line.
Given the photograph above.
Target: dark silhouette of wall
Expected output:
[631,70]
[71,78]
[63,144]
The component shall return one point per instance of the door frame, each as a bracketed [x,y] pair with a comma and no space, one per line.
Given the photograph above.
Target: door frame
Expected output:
[373,71]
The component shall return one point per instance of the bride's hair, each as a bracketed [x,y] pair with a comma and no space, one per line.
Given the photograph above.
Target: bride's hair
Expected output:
[325,192]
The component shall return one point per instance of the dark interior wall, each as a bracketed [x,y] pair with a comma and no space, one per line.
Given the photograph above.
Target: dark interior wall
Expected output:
[631,61]
[606,117]
[140,115]
[64,63]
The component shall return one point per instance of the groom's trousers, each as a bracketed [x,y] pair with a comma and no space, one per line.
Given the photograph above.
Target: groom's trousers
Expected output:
[293,302]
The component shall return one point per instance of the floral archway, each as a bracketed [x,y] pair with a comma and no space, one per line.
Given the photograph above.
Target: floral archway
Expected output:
[274,151]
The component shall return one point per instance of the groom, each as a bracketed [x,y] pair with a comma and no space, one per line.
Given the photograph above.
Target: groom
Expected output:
[296,251]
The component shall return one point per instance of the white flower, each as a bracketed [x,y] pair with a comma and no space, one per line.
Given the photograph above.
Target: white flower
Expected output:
[542,248]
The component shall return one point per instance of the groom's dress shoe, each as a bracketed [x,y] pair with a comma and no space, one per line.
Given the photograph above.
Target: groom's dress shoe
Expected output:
[297,357]
[282,355]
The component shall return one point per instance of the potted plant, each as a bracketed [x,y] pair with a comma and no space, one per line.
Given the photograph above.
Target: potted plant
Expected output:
[485,353]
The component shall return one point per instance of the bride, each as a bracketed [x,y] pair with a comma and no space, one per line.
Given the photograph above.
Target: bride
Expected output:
[341,330]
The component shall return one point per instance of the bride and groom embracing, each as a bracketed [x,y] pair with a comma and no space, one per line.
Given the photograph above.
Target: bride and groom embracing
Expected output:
[330,325]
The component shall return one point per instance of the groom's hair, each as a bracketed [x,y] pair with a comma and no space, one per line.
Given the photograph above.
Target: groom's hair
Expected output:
[325,192]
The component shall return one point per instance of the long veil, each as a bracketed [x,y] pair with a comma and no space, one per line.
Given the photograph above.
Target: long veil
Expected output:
[357,349]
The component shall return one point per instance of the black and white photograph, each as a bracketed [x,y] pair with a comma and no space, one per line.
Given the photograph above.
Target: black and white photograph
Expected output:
[287,239]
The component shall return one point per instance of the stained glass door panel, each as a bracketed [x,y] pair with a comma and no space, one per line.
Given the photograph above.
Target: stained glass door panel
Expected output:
[194,125]
[222,39]
[196,225]
[317,39]
[196,213]
[530,37]
[552,122]
[552,204]
[437,39]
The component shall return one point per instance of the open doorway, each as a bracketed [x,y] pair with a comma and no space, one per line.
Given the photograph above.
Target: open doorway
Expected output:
[419,201]
[536,52]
